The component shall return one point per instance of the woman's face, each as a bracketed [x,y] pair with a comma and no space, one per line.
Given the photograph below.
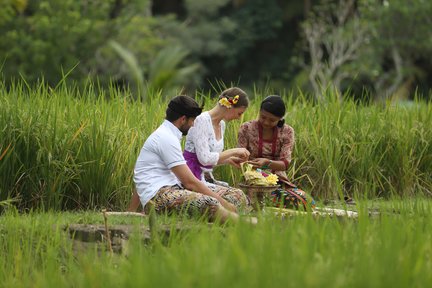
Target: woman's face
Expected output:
[267,119]
[234,113]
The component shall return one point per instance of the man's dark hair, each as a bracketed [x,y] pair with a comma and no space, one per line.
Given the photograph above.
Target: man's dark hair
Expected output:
[182,106]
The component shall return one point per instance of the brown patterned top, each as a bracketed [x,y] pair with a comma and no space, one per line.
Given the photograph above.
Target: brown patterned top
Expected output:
[279,149]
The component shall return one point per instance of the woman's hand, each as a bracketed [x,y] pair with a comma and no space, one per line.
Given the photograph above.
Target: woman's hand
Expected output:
[259,162]
[235,161]
[234,156]
[241,153]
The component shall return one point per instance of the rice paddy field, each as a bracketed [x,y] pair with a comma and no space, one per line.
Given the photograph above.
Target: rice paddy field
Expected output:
[390,250]
[65,154]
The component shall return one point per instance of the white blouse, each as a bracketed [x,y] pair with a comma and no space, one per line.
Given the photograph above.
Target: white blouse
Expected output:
[201,140]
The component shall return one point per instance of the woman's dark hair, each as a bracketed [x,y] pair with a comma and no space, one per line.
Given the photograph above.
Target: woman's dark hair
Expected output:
[230,93]
[182,106]
[276,106]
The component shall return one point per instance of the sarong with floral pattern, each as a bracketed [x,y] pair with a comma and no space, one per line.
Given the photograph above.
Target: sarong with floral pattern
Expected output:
[177,199]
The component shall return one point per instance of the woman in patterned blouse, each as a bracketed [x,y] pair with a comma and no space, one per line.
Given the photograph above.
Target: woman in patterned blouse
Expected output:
[270,142]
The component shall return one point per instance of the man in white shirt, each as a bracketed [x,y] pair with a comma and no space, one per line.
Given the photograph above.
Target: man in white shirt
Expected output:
[161,173]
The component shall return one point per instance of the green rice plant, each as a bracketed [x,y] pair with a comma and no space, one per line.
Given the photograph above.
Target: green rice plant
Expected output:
[390,250]
[364,150]
[71,151]
[64,148]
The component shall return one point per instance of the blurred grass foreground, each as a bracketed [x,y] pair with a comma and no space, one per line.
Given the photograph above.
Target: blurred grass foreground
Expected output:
[391,251]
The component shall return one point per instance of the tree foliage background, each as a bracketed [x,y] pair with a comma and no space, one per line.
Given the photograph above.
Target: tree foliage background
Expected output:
[350,45]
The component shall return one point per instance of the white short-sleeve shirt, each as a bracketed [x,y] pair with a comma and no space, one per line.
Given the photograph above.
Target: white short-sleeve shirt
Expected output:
[161,152]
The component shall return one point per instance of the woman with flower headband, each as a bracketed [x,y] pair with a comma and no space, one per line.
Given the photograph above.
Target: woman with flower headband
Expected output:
[270,142]
[204,147]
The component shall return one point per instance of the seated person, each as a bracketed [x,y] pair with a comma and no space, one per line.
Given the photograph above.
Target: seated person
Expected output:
[205,140]
[161,173]
[270,142]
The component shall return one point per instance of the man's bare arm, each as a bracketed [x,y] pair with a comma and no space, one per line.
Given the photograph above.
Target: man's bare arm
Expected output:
[190,182]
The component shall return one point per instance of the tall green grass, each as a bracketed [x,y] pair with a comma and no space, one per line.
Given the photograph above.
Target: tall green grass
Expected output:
[65,149]
[62,148]
[390,251]
[352,148]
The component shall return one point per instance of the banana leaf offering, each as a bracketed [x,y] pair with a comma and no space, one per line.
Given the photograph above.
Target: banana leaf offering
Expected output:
[257,177]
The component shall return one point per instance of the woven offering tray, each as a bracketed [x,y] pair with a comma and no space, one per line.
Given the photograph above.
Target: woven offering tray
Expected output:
[257,189]
[257,194]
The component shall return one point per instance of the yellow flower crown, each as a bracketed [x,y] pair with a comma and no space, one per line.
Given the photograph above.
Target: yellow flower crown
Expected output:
[228,102]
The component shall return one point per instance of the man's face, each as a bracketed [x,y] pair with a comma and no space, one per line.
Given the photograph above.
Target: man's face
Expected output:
[184,128]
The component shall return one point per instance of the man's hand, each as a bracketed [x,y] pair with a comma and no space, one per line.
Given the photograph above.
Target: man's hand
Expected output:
[228,206]
[191,183]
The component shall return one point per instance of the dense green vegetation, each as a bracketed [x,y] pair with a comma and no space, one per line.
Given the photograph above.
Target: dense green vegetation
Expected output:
[391,250]
[64,148]
[83,83]
[381,46]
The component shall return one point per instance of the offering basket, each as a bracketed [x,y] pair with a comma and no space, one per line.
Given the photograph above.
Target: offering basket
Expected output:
[257,193]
